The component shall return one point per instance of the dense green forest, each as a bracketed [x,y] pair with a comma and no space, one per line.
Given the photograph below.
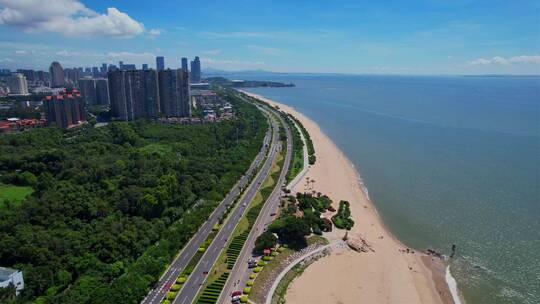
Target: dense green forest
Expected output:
[111,206]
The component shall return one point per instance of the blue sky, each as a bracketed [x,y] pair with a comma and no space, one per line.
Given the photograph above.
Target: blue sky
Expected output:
[382,37]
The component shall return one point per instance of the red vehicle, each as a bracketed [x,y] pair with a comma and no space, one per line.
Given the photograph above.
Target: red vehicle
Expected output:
[236,293]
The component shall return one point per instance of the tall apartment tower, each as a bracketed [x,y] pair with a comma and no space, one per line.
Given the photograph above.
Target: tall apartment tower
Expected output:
[196,70]
[185,64]
[174,93]
[145,66]
[103,69]
[57,75]
[134,94]
[65,109]
[160,63]
[17,84]
[102,91]
[87,85]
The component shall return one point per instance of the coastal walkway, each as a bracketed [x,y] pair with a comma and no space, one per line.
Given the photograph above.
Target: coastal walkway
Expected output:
[334,245]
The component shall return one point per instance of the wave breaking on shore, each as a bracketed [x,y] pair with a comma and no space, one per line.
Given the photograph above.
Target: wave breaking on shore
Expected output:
[452,286]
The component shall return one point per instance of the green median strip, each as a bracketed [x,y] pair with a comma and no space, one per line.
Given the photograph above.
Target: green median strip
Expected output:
[225,262]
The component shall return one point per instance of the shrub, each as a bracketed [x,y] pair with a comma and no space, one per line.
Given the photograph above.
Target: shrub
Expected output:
[274,253]
[201,249]
[171,295]
[189,270]
[215,227]
[261,263]
[166,302]
[257,269]
[175,287]
[266,258]
[247,290]
[181,280]
[252,276]
[266,240]
[281,249]
[244,299]
[342,219]
[249,283]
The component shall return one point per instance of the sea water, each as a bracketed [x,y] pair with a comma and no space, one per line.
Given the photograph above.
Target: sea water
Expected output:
[447,160]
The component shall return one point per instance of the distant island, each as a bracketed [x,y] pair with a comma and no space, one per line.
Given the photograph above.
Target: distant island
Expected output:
[222,81]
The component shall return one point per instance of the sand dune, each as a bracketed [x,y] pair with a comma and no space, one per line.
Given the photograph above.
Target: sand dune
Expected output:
[386,274]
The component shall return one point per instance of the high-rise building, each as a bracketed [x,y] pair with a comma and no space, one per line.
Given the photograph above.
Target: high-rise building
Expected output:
[57,75]
[65,109]
[174,93]
[17,84]
[196,70]
[95,72]
[145,66]
[112,67]
[42,76]
[29,74]
[128,67]
[72,75]
[185,64]
[160,63]
[103,69]
[134,94]
[121,65]
[87,85]
[102,91]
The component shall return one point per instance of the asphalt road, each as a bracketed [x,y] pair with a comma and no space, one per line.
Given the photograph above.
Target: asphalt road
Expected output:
[156,295]
[240,272]
[195,281]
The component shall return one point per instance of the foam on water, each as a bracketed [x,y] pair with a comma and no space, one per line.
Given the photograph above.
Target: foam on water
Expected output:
[452,285]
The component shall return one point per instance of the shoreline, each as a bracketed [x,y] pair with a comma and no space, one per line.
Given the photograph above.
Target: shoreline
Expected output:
[393,272]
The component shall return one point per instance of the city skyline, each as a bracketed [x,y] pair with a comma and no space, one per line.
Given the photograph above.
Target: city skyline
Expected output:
[438,37]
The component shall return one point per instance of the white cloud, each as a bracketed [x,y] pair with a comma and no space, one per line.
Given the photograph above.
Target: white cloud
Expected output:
[212,52]
[534,59]
[154,32]
[68,17]
[498,60]
[66,53]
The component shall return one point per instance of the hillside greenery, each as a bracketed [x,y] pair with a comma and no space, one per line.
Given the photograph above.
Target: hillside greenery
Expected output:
[112,206]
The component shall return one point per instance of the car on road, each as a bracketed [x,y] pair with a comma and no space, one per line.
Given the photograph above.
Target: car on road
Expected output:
[272,214]
[252,263]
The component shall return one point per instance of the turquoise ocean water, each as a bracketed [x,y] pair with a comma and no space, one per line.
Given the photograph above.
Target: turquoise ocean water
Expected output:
[446,160]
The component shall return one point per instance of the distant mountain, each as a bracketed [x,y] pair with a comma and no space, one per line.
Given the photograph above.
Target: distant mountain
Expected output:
[209,72]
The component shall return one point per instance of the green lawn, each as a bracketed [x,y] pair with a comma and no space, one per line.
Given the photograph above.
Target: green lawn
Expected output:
[13,193]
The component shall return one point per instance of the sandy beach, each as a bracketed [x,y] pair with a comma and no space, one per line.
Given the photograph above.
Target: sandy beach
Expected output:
[385,274]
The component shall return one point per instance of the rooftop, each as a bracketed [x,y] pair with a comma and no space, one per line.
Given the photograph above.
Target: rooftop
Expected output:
[5,273]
